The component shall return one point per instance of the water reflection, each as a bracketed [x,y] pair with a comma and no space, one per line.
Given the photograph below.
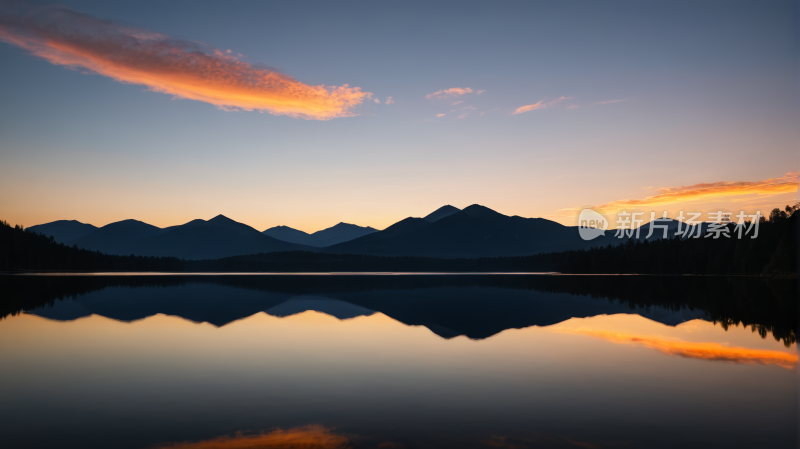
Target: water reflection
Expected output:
[232,363]
[308,437]
[702,351]
[477,306]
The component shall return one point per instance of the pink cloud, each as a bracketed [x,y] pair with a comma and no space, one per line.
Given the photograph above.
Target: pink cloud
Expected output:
[457,102]
[540,105]
[440,115]
[389,100]
[452,92]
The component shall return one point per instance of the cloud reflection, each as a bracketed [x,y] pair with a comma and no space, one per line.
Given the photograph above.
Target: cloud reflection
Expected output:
[307,437]
[692,350]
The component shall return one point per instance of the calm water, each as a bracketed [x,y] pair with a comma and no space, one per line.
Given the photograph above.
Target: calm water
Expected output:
[397,362]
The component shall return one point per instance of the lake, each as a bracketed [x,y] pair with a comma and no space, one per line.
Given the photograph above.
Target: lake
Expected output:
[397,361]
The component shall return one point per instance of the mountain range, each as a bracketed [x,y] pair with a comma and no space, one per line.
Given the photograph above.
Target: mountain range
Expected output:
[448,232]
[198,239]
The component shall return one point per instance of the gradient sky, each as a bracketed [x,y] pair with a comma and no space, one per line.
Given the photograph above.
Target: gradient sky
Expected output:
[581,103]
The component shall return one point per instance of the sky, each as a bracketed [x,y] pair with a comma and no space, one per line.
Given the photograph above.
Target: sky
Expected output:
[309,114]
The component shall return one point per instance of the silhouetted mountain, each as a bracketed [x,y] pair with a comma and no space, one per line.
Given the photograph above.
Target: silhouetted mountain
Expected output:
[210,242]
[476,231]
[339,233]
[198,239]
[64,230]
[440,213]
[772,253]
[120,238]
[219,221]
[288,234]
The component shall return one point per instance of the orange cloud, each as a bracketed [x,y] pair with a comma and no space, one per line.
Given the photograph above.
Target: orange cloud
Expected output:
[540,105]
[440,115]
[389,100]
[670,195]
[308,437]
[702,351]
[183,69]
[452,92]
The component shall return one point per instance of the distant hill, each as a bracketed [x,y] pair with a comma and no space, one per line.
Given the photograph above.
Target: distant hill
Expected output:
[220,221]
[119,238]
[476,231]
[64,230]
[438,214]
[198,239]
[339,233]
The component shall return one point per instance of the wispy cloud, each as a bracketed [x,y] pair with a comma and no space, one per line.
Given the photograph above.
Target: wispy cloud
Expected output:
[692,350]
[175,67]
[709,191]
[452,92]
[464,115]
[309,437]
[572,106]
[540,105]
[440,115]
[457,102]
[480,91]
[490,110]
[376,100]
[608,102]
[389,100]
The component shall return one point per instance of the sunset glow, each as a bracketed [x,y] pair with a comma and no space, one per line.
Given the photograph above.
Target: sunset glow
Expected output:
[707,192]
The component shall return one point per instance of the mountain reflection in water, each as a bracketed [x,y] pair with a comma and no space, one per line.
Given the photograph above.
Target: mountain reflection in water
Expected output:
[475,306]
[218,362]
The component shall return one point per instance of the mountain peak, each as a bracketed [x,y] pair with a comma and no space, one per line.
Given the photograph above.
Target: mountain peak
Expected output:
[220,217]
[438,214]
[478,211]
